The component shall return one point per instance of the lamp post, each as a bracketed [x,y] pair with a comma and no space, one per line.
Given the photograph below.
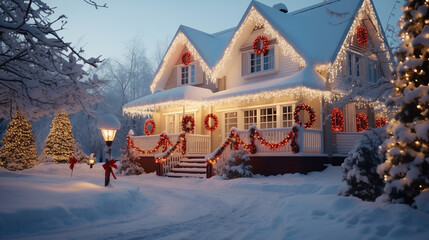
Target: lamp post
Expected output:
[108,125]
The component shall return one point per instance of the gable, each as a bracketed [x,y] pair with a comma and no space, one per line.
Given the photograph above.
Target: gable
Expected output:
[251,19]
[172,56]
[367,17]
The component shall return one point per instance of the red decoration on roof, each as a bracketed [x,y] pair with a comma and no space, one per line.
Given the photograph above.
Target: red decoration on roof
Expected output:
[256,44]
[362,36]
[186,58]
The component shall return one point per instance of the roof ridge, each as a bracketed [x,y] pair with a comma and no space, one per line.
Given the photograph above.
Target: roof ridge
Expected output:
[317,5]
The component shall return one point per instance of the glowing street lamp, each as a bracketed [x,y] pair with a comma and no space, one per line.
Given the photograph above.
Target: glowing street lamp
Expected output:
[108,125]
[91,160]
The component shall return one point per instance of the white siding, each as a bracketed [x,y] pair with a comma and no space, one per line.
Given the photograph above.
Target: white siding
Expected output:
[284,66]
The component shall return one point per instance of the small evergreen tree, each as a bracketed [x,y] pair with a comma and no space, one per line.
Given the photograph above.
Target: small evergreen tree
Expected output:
[129,165]
[79,154]
[237,165]
[407,151]
[60,143]
[19,147]
[360,167]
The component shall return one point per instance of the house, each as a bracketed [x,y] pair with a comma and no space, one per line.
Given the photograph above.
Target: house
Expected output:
[273,68]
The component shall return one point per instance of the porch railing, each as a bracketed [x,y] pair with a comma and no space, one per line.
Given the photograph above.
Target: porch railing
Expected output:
[195,144]
[309,140]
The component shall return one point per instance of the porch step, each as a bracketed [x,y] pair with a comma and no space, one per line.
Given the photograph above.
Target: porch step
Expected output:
[180,175]
[189,167]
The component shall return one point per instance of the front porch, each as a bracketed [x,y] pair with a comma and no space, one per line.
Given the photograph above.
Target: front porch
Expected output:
[266,160]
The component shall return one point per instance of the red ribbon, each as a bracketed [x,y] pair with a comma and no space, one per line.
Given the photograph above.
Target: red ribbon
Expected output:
[108,168]
[73,161]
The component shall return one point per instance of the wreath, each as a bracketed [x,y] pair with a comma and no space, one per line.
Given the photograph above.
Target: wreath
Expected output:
[206,122]
[361,122]
[362,36]
[337,120]
[256,44]
[185,121]
[186,58]
[380,122]
[152,127]
[310,111]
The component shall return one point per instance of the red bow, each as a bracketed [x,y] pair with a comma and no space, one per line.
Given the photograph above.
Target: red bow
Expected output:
[108,168]
[73,161]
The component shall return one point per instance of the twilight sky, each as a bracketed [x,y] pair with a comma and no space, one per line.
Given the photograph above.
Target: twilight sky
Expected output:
[108,31]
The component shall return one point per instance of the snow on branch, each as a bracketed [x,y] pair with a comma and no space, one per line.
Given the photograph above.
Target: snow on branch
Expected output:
[39,72]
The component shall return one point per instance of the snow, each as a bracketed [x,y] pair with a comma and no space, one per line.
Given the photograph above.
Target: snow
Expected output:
[46,203]
[182,93]
[321,27]
[108,121]
[307,78]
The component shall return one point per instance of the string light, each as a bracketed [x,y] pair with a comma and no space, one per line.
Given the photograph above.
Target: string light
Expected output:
[152,127]
[337,66]
[337,120]
[215,122]
[310,111]
[361,122]
[180,40]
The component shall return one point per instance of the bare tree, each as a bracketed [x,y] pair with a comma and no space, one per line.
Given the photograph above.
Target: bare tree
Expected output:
[131,77]
[39,72]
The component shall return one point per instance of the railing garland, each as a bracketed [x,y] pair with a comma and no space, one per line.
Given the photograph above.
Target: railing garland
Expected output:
[161,158]
[235,140]
[163,140]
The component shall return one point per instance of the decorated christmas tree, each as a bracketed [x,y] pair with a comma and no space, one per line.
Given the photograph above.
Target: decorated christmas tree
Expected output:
[406,169]
[19,147]
[60,143]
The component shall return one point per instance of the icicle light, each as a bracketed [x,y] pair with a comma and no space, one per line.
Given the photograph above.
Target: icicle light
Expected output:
[337,67]
[145,110]
[180,40]
[255,18]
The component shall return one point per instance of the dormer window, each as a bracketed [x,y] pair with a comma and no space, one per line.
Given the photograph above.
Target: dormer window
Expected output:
[360,66]
[188,74]
[253,63]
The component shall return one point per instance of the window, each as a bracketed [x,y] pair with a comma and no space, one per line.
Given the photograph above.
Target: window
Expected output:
[287,116]
[171,124]
[174,122]
[360,66]
[268,117]
[231,120]
[250,118]
[187,77]
[257,63]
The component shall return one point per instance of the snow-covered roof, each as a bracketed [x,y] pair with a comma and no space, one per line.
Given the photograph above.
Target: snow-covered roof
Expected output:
[209,46]
[316,32]
[171,97]
[307,78]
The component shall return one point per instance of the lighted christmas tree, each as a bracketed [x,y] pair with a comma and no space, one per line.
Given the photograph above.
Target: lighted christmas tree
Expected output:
[19,147]
[60,143]
[406,169]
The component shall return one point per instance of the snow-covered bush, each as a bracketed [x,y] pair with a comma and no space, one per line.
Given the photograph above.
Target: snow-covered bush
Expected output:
[129,165]
[360,167]
[237,165]
[43,158]
[79,154]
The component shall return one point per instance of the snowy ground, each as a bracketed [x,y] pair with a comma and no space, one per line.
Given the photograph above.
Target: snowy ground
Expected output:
[46,203]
